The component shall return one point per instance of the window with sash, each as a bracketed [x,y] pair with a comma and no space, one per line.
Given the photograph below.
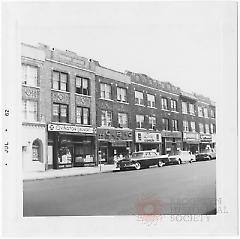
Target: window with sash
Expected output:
[60,113]
[207,129]
[139,98]
[30,110]
[205,110]
[174,125]
[83,115]
[82,85]
[121,94]
[60,81]
[185,126]
[200,111]
[106,118]
[140,121]
[193,126]
[165,124]
[184,107]
[152,122]
[191,109]
[151,100]
[106,91]
[173,105]
[164,103]
[29,75]
[122,120]
[201,128]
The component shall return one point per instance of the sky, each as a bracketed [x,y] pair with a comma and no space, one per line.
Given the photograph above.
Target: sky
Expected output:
[169,41]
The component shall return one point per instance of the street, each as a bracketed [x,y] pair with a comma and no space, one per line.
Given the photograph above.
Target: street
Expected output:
[177,189]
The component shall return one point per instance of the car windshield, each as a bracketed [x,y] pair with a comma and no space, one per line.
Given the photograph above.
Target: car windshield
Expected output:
[206,151]
[137,155]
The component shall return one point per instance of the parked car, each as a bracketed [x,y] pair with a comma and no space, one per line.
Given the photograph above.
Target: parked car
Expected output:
[207,154]
[180,157]
[141,159]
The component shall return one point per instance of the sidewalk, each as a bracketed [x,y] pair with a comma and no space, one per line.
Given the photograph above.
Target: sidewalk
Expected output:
[59,173]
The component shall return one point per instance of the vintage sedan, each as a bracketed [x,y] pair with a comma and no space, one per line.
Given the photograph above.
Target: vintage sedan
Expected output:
[207,154]
[180,157]
[142,159]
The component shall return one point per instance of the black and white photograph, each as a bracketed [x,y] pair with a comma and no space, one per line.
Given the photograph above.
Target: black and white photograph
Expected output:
[121,114]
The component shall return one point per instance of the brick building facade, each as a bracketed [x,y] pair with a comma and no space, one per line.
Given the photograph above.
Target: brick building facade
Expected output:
[77,112]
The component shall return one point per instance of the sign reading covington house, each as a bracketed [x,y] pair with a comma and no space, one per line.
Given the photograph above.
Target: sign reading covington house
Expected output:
[70,128]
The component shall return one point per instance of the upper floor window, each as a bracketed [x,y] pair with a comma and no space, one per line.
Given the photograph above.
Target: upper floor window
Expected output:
[193,126]
[191,109]
[201,128]
[205,110]
[184,108]
[152,122]
[60,113]
[207,129]
[174,105]
[122,120]
[212,112]
[150,100]
[29,75]
[164,103]
[165,124]
[200,111]
[106,91]
[82,86]
[139,98]
[83,115]
[140,121]
[185,126]
[174,125]
[106,118]
[121,94]
[60,81]
[212,128]
[30,110]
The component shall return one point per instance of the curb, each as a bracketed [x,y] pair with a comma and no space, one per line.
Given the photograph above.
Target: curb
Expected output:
[64,176]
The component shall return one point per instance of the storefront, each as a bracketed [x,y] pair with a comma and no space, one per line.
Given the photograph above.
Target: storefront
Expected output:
[70,146]
[113,143]
[191,141]
[146,140]
[171,141]
[205,142]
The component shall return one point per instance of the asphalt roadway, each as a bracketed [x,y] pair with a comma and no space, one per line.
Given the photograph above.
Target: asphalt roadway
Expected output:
[178,189]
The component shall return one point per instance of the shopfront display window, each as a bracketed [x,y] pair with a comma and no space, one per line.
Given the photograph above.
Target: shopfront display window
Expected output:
[64,155]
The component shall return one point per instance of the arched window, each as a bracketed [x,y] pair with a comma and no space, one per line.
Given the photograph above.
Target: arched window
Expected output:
[37,150]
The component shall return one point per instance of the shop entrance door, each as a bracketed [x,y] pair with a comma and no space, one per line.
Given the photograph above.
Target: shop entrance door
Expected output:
[104,154]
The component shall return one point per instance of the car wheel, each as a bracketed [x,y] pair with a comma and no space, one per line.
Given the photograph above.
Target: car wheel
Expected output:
[179,161]
[137,166]
[210,158]
[160,164]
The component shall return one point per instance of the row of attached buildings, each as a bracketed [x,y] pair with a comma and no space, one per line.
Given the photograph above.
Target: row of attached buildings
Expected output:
[76,112]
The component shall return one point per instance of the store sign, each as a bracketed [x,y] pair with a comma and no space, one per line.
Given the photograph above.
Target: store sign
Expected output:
[112,135]
[171,134]
[148,137]
[205,137]
[70,128]
[190,136]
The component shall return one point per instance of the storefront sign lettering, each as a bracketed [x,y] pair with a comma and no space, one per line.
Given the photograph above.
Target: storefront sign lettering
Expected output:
[114,135]
[148,137]
[70,128]
[171,134]
[205,137]
[190,136]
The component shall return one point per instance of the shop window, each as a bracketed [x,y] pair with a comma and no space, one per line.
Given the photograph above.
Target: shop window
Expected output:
[150,100]
[165,124]
[184,108]
[60,81]
[140,121]
[152,122]
[122,120]
[83,153]
[205,110]
[207,129]
[106,91]
[82,86]
[173,105]
[30,111]
[174,125]
[201,128]
[185,126]
[37,150]
[29,75]
[83,115]
[106,118]
[121,94]
[60,113]
[64,155]
[193,126]
[139,98]
[164,103]
[200,111]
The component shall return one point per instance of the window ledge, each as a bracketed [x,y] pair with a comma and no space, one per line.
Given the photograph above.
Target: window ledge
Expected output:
[37,87]
[165,110]
[61,91]
[139,105]
[106,99]
[122,102]
[83,95]
[174,111]
[151,107]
